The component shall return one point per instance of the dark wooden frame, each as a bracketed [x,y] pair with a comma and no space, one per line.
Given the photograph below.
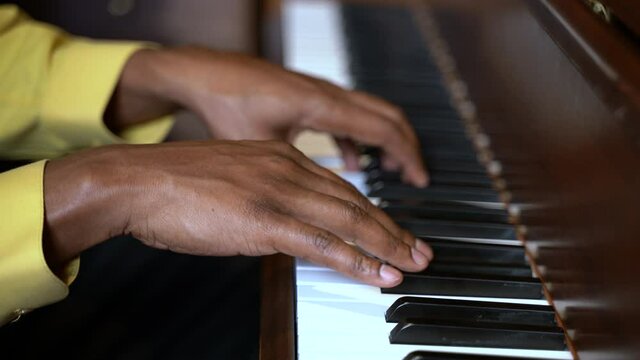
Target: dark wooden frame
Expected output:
[277,309]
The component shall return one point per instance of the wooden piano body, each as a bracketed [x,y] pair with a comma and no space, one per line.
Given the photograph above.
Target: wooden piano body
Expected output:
[557,89]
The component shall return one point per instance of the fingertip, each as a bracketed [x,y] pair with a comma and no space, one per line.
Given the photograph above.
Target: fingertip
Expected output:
[424,248]
[390,275]
[419,258]
[418,178]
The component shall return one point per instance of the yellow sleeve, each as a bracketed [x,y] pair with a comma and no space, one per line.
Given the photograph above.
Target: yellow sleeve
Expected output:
[26,282]
[54,89]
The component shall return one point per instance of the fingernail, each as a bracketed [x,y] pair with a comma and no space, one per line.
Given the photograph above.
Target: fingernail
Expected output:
[425,249]
[419,257]
[390,274]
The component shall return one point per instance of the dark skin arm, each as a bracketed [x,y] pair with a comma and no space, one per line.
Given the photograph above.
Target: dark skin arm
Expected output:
[234,197]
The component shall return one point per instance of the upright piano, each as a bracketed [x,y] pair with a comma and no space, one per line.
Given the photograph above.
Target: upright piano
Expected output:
[528,114]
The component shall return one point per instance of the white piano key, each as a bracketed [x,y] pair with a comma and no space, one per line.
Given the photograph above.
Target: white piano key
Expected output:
[313,41]
[339,318]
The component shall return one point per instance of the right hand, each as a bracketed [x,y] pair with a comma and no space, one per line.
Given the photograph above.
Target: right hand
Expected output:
[224,198]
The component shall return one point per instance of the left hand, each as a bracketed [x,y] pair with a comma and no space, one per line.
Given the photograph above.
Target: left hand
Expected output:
[239,97]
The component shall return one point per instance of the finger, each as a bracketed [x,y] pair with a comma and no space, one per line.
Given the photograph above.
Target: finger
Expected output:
[408,155]
[389,110]
[392,112]
[350,153]
[350,194]
[364,126]
[314,177]
[324,248]
[375,103]
[389,163]
[352,224]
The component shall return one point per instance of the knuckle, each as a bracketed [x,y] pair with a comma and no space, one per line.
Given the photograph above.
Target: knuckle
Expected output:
[279,146]
[321,241]
[361,265]
[392,247]
[282,162]
[355,214]
[363,203]
[261,207]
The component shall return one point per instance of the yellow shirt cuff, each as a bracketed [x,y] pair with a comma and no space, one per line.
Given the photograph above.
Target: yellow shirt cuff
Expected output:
[26,282]
[84,74]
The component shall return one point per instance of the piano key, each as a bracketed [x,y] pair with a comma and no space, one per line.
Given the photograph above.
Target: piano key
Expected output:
[436,163]
[397,74]
[432,355]
[435,126]
[459,252]
[469,333]
[449,154]
[436,193]
[432,210]
[436,178]
[317,28]
[423,112]
[442,283]
[449,229]
[442,162]
[430,84]
[478,268]
[404,95]
[333,309]
[408,307]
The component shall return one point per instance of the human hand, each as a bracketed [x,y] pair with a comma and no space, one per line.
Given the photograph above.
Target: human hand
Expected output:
[239,97]
[223,198]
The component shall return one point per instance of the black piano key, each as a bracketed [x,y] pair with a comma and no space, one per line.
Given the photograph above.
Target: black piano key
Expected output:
[436,139]
[478,268]
[440,162]
[459,252]
[450,229]
[436,126]
[423,76]
[423,112]
[436,163]
[431,210]
[436,193]
[432,355]
[472,286]
[473,334]
[422,95]
[409,307]
[448,153]
[436,178]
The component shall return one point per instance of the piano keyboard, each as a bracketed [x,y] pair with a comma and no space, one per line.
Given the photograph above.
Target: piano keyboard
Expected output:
[479,298]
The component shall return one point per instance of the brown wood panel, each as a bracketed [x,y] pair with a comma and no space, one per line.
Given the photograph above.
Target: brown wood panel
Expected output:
[557,92]
[277,309]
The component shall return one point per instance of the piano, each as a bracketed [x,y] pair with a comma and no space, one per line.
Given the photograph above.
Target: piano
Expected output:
[528,115]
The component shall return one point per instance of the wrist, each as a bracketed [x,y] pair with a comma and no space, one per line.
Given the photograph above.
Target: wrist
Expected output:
[141,94]
[84,205]
[170,73]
